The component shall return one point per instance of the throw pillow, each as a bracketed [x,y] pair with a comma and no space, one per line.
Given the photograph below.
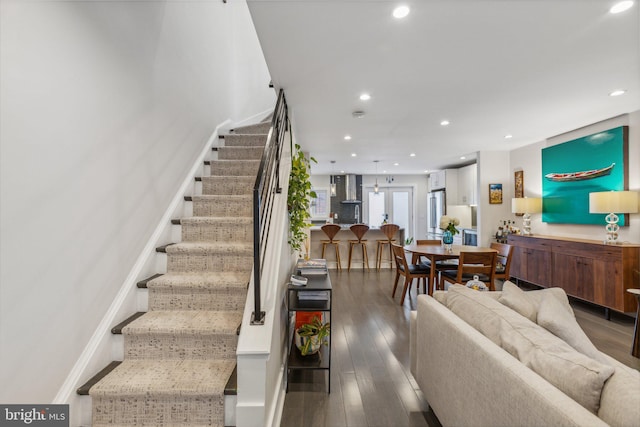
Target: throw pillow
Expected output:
[516,299]
[574,373]
[554,318]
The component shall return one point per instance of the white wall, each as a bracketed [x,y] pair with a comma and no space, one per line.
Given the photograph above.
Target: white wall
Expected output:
[104,108]
[529,159]
[493,168]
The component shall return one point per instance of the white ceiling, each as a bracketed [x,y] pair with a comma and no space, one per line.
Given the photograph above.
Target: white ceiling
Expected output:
[530,68]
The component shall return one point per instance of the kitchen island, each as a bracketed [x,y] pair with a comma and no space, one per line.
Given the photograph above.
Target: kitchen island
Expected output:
[344,235]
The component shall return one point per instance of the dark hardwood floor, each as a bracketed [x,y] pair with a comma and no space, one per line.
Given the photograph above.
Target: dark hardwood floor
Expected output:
[371,384]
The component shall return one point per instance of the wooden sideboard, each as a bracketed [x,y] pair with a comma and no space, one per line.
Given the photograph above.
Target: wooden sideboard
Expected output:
[585,269]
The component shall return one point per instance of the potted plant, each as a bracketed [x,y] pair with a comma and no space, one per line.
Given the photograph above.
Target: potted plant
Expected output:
[299,198]
[311,336]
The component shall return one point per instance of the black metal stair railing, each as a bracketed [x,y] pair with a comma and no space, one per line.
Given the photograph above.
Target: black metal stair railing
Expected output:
[266,187]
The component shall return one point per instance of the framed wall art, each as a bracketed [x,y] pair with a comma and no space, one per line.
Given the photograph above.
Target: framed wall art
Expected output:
[495,194]
[518,186]
[572,170]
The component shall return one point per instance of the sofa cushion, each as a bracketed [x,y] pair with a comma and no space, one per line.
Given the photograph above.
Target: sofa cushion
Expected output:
[577,375]
[516,299]
[525,301]
[554,318]
[620,401]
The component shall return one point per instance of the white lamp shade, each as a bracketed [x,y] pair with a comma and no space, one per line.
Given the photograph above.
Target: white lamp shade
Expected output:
[526,205]
[613,202]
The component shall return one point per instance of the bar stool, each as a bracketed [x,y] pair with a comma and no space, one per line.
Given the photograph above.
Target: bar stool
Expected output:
[331,230]
[359,230]
[388,230]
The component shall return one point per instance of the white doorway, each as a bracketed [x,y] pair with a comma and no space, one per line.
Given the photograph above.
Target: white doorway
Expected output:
[393,203]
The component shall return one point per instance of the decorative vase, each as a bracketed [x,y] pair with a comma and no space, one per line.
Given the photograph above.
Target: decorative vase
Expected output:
[447,239]
[300,343]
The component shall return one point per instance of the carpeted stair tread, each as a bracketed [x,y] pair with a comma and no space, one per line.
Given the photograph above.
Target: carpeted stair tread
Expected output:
[217,220]
[217,229]
[228,185]
[245,140]
[253,129]
[211,248]
[234,167]
[239,153]
[231,279]
[194,322]
[166,377]
[226,205]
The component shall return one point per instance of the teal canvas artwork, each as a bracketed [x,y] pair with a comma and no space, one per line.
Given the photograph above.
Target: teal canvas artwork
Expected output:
[572,170]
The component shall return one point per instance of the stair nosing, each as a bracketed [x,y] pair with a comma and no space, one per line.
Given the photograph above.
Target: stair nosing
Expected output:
[163,249]
[231,387]
[83,390]
[117,330]
[142,284]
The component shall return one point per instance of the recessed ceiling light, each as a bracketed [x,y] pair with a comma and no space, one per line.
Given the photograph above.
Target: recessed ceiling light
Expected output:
[444,123]
[412,155]
[426,171]
[353,154]
[384,171]
[341,171]
[347,137]
[508,136]
[365,97]
[358,114]
[618,92]
[621,6]
[401,11]
[396,164]
[462,157]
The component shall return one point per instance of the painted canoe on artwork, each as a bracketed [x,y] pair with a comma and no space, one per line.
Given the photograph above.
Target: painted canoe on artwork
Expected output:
[580,176]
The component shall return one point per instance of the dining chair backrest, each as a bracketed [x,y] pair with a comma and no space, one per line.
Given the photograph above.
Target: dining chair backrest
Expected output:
[359,230]
[428,242]
[389,230]
[477,263]
[503,259]
[401,260]
[330,230]
[415,257]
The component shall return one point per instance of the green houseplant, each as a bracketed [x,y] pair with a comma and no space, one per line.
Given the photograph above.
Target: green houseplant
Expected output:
[299,198]
[311,336]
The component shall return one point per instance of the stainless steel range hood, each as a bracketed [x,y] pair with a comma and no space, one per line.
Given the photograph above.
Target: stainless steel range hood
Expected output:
[351,189]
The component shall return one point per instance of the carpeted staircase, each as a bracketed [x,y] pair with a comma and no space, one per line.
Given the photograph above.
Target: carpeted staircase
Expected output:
[180,354]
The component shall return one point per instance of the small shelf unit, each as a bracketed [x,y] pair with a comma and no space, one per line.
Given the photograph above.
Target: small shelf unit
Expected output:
[322,359]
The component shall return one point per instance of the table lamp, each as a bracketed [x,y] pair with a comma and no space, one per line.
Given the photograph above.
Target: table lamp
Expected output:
[528,206]
[612,202]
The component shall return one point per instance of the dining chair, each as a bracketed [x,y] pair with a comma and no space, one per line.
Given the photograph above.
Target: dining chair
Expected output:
[481,264]
[359,230]
[331,230]
[389,230]
[408,271]
[503,260]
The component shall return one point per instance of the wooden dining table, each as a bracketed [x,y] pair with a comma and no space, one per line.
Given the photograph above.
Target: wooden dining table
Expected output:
[439,252]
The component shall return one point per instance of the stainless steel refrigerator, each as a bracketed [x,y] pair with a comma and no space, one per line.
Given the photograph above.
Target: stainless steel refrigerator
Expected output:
[436,207]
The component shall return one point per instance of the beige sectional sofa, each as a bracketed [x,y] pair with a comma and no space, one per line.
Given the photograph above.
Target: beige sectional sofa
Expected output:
[482,359]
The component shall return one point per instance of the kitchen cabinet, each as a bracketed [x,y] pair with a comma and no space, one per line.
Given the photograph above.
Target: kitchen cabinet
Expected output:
[437,180]
[467,185]
[585,269]
[446,179]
